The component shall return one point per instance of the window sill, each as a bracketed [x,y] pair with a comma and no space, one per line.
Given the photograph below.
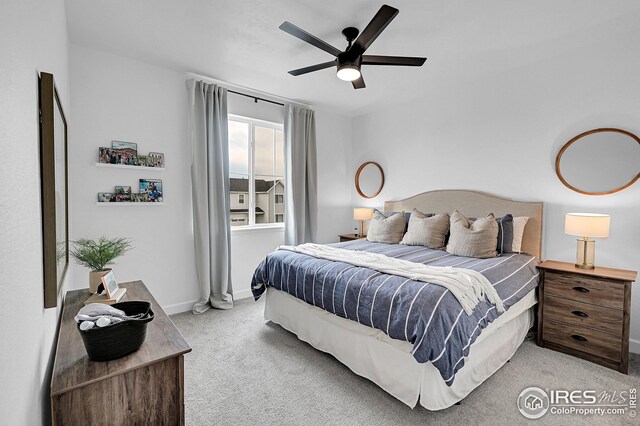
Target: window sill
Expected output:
[274,227]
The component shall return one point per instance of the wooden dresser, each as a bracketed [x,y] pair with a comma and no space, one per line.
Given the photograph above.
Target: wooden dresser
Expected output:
[585,312]
[144,388]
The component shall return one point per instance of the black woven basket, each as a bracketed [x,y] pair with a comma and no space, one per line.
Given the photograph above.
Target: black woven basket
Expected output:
[118,340]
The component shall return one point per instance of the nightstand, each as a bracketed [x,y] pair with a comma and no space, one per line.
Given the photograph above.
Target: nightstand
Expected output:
[349,237]
[585,312]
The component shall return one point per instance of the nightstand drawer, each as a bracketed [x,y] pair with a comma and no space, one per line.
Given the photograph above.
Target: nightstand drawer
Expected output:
[583,339]
[584,314]
[584,289]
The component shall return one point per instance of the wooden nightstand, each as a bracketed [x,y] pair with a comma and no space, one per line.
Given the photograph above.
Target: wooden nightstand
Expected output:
[349,237]
[585,312]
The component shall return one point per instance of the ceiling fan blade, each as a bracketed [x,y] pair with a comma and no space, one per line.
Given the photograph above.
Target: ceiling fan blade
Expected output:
[288,27]
[358,83]
[313,68]
[409,61]
[379,22]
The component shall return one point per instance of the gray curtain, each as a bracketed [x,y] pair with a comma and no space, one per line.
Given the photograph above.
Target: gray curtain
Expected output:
[210,194]
[300,219]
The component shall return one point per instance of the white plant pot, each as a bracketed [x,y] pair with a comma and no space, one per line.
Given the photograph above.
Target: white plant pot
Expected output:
[95,279]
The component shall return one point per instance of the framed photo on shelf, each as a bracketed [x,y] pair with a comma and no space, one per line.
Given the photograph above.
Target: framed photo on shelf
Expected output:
[153,189]
[110,284]
[144,160]
[123,193]
[104,155]
[124,153]
[139,197]
[156,159]
[106,197]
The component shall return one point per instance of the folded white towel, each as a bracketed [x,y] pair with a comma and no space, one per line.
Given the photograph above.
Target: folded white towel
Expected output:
[93,311]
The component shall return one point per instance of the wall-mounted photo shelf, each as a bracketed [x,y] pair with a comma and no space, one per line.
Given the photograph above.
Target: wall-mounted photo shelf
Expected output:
[129,203]
[125,166]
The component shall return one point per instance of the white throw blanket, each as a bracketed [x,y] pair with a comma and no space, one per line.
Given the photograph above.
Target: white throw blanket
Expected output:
[466,285]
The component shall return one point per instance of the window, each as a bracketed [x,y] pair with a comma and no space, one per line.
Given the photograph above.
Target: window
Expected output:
[256,171]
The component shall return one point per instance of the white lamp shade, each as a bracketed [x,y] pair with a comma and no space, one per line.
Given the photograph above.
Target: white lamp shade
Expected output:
[362,213]
[587,224]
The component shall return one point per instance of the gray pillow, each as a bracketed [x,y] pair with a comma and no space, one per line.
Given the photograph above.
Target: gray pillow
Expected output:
[386,229]
[478,239]
[407,215]
[505,233]
[424,230]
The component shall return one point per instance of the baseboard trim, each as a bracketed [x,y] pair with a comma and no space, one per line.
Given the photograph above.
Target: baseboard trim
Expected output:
[634,346]
[242,294]
[178,308]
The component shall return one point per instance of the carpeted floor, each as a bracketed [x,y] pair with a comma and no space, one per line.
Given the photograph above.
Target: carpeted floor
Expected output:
[243,371]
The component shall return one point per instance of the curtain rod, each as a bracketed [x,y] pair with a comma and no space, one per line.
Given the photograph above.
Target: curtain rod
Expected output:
[237,87]
[255,98]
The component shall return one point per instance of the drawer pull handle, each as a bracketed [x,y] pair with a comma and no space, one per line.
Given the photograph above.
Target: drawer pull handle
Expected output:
[580,314]
[579,338]
[581,289]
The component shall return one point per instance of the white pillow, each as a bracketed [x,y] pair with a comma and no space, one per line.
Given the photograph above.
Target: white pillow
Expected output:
[519,222]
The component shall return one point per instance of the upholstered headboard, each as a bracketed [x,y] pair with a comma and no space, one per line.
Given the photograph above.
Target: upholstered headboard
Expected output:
[474,203]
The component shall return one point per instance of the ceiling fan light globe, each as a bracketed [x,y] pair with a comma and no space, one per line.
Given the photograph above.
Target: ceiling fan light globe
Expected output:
[348,72]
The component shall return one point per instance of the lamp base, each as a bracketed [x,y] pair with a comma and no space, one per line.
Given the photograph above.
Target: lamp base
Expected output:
[361,233]
[585,253]
[585,266]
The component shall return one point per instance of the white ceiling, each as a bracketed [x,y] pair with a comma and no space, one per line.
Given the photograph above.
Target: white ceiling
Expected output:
[239,41]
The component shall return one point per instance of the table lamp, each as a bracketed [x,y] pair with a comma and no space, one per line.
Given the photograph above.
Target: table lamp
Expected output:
[586,225]
[362,214]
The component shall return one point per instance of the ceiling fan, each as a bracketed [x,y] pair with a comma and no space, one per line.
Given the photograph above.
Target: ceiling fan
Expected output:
[350,61]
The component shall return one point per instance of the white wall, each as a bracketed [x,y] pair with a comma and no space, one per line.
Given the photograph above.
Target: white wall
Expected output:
[125,99]
[33,38]
[116,98]
[335,177]
[501,135]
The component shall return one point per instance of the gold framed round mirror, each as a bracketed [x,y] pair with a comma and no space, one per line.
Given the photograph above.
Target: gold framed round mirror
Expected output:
[600,161]
[369,179]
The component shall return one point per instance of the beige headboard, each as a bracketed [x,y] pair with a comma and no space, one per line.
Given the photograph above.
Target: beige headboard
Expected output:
[474,203]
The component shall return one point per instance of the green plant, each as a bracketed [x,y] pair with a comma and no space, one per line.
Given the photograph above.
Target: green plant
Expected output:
[95,255]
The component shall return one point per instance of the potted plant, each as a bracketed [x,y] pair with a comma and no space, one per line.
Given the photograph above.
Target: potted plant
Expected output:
[95,255]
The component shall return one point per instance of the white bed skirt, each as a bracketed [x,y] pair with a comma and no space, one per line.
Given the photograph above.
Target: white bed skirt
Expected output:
[388,362]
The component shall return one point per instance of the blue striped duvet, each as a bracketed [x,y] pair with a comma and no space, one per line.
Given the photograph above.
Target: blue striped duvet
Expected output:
[426,315]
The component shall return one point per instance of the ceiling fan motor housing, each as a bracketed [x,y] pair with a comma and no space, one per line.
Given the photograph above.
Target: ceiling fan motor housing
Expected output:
[347,58]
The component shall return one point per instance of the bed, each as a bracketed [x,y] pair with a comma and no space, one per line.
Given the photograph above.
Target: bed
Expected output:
[411,338]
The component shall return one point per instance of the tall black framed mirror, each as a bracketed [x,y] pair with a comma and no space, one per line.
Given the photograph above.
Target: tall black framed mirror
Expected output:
[54,189]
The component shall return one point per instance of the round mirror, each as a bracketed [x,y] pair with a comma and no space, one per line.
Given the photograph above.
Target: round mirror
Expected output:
[369,179]
[600,161]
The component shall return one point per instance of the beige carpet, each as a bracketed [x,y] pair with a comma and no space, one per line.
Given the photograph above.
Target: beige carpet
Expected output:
[243,371]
